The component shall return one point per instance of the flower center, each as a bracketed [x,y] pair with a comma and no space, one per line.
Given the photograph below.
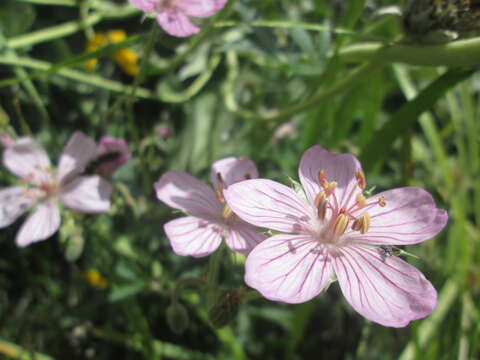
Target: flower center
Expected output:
[334,219]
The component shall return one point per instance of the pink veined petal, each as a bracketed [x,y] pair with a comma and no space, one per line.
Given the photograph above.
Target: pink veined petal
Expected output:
[191,236]
[338,167]
[409,217]
[288,268]
[233,170]
[184,192]
[145,5]
[269,205]
[243,237]
[384,289]
[14,201]
[176,23]
[28,160]
[78,152]
[40,225]
[201,8]
[88,194]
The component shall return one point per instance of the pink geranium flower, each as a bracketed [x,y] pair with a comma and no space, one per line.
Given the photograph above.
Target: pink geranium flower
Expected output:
[173,15]
[333,229]
[210,219]
[43,189]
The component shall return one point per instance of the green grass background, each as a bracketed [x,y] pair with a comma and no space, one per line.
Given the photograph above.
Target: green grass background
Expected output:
[264,79]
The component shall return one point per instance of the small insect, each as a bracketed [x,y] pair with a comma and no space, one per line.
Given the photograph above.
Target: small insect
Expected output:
[441,20]
[387,250]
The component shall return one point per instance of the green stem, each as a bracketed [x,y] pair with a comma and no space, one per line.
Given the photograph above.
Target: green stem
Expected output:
[282,25]
[16,352]
[54,32]
[453,54]
[83,77]
[212,275]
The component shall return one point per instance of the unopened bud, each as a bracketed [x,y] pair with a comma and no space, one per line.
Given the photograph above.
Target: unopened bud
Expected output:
[111,154]
[177,318]
[226,308]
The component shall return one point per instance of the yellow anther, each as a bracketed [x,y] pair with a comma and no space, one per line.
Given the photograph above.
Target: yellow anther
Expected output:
[330,188]
[322,179]
[361,200]
[219,194]
[362,224]
[360,176]
[341,225]
[381,201]
[322,209]
[248,176]
[227,212]
[319,198]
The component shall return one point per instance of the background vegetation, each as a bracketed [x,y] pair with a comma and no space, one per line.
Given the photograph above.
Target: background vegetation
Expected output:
[264,79]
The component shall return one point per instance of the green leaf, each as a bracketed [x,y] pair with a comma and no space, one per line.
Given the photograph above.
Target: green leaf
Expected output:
[381,144]
[126,291]
[15,18]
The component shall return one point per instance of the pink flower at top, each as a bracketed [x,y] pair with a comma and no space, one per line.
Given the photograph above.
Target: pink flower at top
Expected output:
[42,188]
[111,154]
[333,229]
[173,15]
[210,219]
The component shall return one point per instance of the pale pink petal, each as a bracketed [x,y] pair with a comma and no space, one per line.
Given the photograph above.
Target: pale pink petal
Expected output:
[145,5]
[268,204]
[88,194]
[243,237]
[409,217]
[288,268]
[191,236]
[337,167]
[201,8]
[14,201]
[233,170]
[384,289]
[28,160]
[176,23]
[78,152]
[184,192]
[40,225]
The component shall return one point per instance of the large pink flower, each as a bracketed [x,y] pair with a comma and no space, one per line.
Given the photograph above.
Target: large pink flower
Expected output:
[42,189]
[173,15]
[210,218]
[332,228]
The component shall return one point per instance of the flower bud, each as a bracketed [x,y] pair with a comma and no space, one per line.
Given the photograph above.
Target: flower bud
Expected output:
[177,318]
[226,307]
[111,154]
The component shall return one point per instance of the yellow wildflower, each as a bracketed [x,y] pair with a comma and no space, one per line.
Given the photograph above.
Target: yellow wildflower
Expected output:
[95,279]
[125,58]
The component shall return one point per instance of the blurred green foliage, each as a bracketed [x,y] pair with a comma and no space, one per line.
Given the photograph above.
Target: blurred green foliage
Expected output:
[264,79]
